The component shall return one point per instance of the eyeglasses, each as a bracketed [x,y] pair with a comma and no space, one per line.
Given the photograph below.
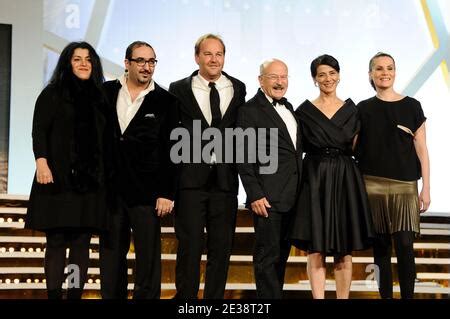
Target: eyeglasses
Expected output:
[274,77]
[142,61]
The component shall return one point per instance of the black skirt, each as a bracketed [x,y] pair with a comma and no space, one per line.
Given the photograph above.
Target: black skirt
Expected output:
[49,210]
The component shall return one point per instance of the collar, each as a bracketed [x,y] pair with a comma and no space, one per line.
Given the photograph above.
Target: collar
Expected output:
[123,82]
[200,82]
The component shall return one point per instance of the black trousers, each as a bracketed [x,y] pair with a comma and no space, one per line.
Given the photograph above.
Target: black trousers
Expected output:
[114,246]
[77,240]
[271,253]
[195,210]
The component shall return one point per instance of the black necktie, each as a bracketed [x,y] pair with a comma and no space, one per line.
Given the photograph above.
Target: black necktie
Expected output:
[281,101]
[214,101]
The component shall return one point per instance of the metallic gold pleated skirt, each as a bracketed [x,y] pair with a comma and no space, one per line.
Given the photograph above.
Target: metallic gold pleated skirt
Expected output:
[394,204]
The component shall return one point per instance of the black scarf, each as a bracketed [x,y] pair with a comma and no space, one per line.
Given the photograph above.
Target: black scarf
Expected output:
[85,175]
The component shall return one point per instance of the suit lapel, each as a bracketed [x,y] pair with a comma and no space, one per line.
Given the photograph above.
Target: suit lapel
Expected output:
[188,101]
[233,103]
[146,103]
[299,133]
[273,115]
[113,93]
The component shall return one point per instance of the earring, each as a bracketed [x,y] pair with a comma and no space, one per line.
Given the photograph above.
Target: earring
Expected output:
[315,84]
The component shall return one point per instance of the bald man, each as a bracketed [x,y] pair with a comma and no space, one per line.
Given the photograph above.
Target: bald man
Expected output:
[271,196]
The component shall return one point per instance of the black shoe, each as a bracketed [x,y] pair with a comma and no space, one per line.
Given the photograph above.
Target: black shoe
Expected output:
[74,293]
[55,294]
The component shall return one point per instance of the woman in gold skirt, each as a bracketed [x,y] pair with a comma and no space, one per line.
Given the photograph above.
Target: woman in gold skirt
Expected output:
[392,154]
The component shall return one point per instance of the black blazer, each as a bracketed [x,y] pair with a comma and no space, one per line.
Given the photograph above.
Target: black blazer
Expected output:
[143,171]
[280,188]
[195,175]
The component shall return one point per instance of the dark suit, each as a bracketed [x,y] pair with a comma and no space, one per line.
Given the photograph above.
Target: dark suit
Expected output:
[207,198]
[280,189]
[143,173]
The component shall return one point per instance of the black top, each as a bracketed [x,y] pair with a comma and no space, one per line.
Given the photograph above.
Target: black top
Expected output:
[386,140]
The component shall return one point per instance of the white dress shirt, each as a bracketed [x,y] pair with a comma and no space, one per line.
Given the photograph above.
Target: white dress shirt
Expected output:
[201,91]
[127,109]
[288,118]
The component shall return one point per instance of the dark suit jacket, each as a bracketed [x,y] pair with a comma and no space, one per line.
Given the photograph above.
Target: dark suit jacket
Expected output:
[195,175]
[143,169]
[280,188]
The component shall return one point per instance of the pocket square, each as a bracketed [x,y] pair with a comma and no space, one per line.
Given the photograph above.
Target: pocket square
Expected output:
[150,115]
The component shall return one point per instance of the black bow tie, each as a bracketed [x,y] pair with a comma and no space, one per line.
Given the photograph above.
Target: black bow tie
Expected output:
[281,101]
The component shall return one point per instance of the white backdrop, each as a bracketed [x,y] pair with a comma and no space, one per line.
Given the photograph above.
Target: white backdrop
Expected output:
[296,31]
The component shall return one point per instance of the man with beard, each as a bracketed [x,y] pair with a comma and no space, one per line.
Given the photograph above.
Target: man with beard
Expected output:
[207,193]
[271,197]
[143,115]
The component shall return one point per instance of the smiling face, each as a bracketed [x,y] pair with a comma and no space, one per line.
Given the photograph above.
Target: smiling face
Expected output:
[140,75]
[274,80]
[81,64]
[327,78]
[210,59]
[382,72]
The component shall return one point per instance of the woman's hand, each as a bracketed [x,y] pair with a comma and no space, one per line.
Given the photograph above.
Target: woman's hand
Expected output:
[424,200]
[43,172]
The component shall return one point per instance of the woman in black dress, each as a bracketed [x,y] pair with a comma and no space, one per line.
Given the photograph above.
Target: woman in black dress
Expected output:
[67,199]
[333,216]
[392,154]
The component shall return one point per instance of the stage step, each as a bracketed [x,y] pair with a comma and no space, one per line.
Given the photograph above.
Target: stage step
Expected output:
[22,256]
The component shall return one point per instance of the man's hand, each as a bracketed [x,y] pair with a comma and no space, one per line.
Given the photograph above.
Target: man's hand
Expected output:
[259,207]
[163,206]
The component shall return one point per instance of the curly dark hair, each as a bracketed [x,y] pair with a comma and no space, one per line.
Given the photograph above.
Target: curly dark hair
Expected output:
[63,69]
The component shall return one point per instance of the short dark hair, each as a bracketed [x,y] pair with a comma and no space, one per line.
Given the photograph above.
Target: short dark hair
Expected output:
[205,37]
[372,62]
[324,59]
[63,68]
[134,45]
